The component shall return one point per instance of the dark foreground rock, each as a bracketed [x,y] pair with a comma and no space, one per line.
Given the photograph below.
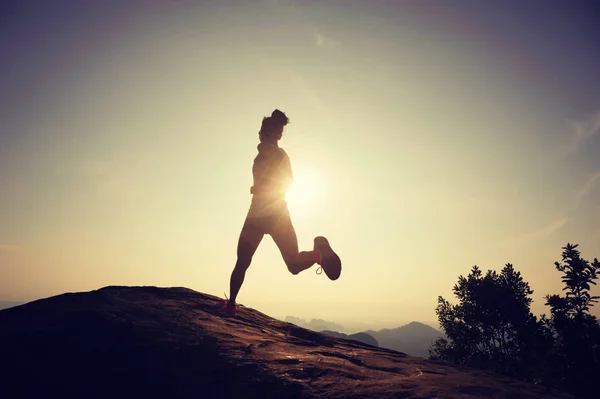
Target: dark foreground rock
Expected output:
[147,342]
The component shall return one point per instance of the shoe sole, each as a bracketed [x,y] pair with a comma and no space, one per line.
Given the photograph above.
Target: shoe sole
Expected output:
[330,261]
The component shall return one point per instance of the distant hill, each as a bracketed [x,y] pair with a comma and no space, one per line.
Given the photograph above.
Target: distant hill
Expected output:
[9,304]
[413,338]
[151,343]
[360,337]
[315,324]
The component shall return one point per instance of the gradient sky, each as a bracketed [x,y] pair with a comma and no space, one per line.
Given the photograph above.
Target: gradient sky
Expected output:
[426,136]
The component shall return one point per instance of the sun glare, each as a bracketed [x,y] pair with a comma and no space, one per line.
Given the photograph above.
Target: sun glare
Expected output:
[304,192]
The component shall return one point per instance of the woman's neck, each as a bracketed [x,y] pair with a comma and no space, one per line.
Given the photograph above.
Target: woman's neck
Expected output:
[271,142]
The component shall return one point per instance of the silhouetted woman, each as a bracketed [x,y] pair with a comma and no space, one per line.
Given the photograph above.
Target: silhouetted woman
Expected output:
[268,214]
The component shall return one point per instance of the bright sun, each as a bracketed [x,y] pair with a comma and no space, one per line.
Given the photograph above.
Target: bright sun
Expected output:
[305,192]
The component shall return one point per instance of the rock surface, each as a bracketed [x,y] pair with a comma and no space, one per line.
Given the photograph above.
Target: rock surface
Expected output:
[148,342]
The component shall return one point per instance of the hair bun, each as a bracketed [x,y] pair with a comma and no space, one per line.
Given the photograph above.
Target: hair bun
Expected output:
[280,117]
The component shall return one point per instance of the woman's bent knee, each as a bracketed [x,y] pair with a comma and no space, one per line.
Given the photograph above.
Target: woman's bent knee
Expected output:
[292,268]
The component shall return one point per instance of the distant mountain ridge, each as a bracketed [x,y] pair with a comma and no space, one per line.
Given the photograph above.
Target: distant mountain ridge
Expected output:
[9,304]
[414,338]
[360,337]
[315,324]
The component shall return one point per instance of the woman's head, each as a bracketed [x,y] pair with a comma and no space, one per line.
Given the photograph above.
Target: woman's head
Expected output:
[271,129]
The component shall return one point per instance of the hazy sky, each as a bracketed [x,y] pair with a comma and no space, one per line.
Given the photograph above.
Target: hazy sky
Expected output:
[426,137]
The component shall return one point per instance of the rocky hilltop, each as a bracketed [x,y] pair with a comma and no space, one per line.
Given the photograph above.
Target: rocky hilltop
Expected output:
[148,342]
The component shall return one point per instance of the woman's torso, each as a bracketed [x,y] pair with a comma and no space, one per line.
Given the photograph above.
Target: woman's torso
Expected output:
[272,176]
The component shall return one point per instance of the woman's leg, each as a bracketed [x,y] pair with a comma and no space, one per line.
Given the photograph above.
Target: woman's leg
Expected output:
[250,237]
[284,235]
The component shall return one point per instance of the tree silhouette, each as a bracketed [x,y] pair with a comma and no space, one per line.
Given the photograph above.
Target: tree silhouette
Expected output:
[576,353]
[492,327]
